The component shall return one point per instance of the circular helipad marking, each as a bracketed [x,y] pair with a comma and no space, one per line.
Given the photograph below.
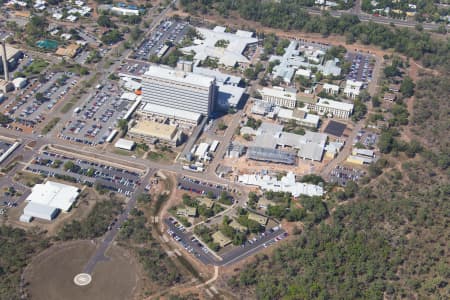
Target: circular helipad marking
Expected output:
[82,279]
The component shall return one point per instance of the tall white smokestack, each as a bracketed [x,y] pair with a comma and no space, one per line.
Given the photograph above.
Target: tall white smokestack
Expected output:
[5,61]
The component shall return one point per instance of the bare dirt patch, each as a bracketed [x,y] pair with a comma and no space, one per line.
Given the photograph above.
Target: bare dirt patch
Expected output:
[50,275]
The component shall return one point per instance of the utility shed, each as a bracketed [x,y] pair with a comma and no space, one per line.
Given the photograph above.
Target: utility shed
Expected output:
[124,144]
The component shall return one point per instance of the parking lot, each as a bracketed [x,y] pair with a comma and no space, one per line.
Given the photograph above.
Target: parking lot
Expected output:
[35,102]
[341,175]
[4,146]
[168,31]
[92,123]
[133,67]
[361,68]
[201,187]
[366,138]
[192,245]
[115,179]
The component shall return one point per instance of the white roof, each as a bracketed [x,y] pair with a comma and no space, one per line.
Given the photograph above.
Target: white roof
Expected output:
[180,76]
[202,149]
[278,92]
[335,104]
[229,95]
[171,112]
[128,96]
[286,184]
[332,87]
[364,152]
[40,211]
[228,56]
[124,144]
[54,194]
[220,77]
[19,81]
[285,113]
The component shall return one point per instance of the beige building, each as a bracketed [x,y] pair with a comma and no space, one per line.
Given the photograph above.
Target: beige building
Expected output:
[221,239]
[153,132]
[279,96]
[260,219]
[187,212]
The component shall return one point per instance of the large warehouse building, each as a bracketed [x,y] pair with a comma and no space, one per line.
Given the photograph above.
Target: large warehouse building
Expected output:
[46,200]
[179,90]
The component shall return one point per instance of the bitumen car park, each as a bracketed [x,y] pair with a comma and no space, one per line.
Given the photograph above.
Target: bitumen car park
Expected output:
[192,245]
[30,111]
[4,146]
[168,31]
[93,122]
[361,68]
[133,67]
[201,187]
[341,175]
[116,179]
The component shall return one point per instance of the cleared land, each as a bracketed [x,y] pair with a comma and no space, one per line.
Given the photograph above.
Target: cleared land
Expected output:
[50,275]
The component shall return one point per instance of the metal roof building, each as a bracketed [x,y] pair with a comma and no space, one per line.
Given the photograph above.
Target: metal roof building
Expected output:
[46,200]
[271,155]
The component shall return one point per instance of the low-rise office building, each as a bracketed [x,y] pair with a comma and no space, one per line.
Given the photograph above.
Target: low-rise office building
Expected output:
[153,132]
[299,116]
[335,108]
[285,97]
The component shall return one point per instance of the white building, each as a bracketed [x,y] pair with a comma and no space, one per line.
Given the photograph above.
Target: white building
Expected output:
[228,54]
[124,144]
[335,108]
[122,11]
[279,96]
[298,58]
[353,88]
[179,90]
[299,116]
[20,83]
[286,184]
[46,200]
[160,113]
[331,89]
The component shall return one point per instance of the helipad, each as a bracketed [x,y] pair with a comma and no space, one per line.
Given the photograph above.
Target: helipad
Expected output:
[82,279]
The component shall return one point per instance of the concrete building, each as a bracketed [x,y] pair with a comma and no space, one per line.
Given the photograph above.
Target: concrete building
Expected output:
[299,116]
[286,184]
[225,46]
[279,96]
[122,11]
[153,132]
[353,88]
[298,58]
[270,140]
[335,108]
[125,144]
[46,200]
[221,239]
[20,83]
[174,115]
[180,90]
[331,89]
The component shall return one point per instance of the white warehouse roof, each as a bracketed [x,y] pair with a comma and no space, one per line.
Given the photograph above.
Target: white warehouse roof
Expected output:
[124,144]
[38,210]
[54,194]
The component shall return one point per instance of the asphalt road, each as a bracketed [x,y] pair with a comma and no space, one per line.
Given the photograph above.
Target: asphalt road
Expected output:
[109,237]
